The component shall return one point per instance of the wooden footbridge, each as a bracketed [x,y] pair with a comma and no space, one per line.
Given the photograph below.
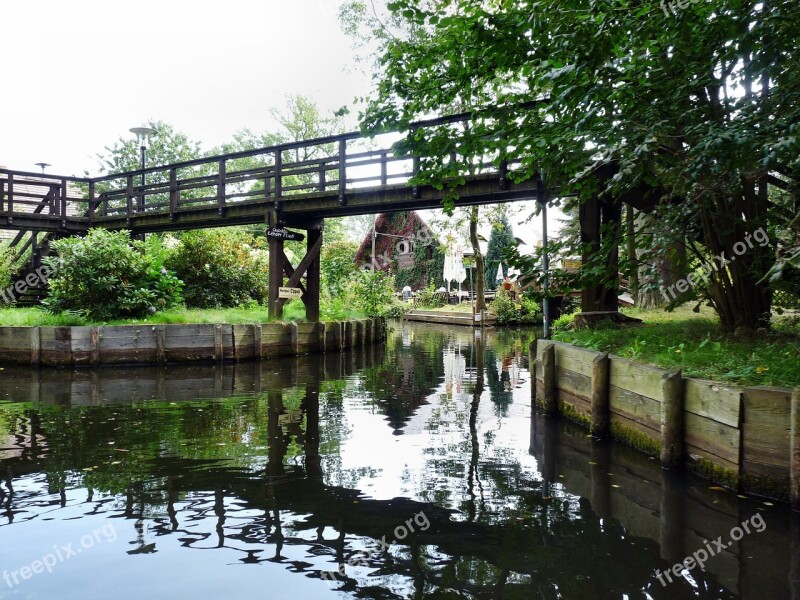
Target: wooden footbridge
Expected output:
[297,184]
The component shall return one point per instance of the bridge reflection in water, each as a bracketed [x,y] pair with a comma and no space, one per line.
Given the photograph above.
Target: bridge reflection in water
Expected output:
[300,465]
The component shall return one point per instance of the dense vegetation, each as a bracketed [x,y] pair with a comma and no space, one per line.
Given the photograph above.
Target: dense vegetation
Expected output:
[500,240]
[690,114]
[108,275]
[220,268]
[219,275]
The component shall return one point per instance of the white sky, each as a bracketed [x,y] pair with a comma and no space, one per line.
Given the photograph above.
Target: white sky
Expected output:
[78,75]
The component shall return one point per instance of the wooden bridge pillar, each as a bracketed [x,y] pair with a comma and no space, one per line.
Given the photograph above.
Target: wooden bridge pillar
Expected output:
[311,297]
[280,266]
[600,229]
[276,256]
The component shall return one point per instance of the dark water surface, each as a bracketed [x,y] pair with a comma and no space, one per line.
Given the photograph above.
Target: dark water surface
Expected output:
[410,470]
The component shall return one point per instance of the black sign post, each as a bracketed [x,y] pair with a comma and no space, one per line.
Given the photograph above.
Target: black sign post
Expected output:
[281,233]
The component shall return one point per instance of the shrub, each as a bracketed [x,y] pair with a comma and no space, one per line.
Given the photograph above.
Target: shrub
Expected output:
[395,310]
[106,275]
[527,312]
[565,321]
[220,268]
[337,264]
[372,292]
[7,266]
[428,297]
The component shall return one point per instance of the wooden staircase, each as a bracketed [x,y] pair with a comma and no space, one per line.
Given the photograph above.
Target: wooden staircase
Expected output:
[30,249]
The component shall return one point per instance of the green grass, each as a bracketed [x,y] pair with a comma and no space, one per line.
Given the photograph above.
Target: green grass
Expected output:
[294,311]
[696,344]
[29,317]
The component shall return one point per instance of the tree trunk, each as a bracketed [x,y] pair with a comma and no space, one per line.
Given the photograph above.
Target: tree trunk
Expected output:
[670,266]
[741,298]
[633,269]
[480,296]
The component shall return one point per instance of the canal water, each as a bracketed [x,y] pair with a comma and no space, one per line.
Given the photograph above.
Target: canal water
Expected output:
[413,469]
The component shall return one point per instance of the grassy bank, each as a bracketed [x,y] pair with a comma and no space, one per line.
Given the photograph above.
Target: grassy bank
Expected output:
[18,317]
[695,343]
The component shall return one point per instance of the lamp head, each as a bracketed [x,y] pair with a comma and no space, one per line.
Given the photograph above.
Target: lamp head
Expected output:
[142,133]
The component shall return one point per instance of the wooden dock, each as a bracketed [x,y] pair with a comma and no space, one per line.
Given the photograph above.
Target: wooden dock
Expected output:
[450,318]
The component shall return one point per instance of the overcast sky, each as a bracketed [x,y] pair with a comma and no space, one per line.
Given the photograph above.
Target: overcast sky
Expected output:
[78,75]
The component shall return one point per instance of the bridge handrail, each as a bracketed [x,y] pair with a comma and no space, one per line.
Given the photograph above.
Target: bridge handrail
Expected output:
[275,179]
[321,141]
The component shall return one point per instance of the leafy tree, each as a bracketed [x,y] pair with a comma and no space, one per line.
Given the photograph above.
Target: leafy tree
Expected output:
[696,110]
[166,146]
[300,120]
[106,275]
[501,238]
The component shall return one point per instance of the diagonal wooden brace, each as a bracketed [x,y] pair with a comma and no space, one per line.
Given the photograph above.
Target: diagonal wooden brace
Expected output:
[301,269]
[289,270]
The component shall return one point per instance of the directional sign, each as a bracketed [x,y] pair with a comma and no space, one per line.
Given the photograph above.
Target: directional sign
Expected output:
[290,293]
[282,233]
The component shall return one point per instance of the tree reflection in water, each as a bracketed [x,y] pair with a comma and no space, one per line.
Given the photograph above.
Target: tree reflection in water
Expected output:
[266,460]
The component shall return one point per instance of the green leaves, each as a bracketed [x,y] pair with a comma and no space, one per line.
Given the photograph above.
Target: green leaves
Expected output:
[106,275]
[221,268]
[372,291]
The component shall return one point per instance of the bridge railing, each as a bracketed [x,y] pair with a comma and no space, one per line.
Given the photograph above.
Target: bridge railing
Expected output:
[42,197]
[333,165]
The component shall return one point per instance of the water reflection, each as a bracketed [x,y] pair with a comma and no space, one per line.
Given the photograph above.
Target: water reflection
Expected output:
[287,469]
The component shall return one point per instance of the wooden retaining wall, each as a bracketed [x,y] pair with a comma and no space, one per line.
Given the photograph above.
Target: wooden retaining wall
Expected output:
[161,344]
[738,436]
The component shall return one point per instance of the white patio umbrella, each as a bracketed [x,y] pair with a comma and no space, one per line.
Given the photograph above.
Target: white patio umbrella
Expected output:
[460,273]
[449,268]
[499,278]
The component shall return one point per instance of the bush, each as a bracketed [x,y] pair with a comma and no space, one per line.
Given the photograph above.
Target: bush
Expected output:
[220,268]
[337,264]
[7,266]
[428,297]
[527,312]
[565,321]
[106,275]
[372,292]
[395,310]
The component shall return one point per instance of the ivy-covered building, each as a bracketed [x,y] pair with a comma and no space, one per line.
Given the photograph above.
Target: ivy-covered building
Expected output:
[405,246]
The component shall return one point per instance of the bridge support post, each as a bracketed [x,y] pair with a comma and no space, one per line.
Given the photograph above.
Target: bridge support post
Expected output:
[598,215]
[276,257]
[311,297]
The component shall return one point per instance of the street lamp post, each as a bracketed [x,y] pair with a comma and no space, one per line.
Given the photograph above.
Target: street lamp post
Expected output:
[541,193]
[142,133]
